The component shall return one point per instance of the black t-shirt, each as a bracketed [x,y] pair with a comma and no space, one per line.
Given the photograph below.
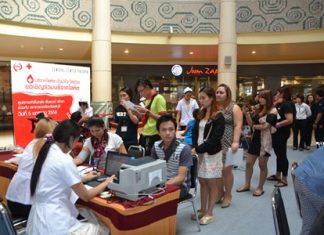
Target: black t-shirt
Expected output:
[320,109]
[126,129]
[285,108]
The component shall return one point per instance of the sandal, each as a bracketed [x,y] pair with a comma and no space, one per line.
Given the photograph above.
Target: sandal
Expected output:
[273,178]
[281,183]
[199,213]
[206,220]
[240,190]
[258,193]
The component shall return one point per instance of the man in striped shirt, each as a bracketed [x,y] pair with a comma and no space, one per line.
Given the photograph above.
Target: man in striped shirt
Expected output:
[176,154]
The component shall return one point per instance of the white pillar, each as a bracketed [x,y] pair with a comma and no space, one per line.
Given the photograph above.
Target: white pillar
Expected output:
[227,46]
[101,58]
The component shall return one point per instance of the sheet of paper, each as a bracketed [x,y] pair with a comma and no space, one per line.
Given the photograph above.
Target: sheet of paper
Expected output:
[129,105]
[234,159]
[84,170]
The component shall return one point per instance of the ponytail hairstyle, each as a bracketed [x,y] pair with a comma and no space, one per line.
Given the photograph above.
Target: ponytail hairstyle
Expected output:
[63,133]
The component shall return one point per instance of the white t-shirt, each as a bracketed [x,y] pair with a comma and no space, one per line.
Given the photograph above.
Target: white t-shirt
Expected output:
[52,211]
[303,111]
[86,113]
[19,187]
[114,142]
[186,110]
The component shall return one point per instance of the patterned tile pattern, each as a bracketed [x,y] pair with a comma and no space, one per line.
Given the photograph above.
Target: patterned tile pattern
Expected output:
[184,16]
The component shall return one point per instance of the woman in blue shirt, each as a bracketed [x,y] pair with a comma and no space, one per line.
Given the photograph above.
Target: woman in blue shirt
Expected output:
[309,186]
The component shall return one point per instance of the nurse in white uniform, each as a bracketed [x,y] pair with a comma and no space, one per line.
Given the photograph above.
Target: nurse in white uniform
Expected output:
[54,177]
[18,193]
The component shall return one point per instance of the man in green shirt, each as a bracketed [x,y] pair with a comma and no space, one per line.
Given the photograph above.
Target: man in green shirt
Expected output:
[155,106]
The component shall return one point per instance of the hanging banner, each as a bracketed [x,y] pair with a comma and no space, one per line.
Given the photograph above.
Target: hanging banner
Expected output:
[52,89]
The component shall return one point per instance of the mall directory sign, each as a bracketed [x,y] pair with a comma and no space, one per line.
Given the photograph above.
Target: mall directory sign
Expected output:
[52,89]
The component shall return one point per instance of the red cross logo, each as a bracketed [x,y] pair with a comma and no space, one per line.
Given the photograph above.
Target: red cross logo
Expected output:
[29,66]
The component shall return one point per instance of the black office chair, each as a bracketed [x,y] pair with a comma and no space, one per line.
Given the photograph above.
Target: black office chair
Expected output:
[7,225]
[279,213]
[193,192]
[294,165]
[136,150]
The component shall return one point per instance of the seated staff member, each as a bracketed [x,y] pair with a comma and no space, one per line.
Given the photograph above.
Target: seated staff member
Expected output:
[125,120]
[18,193]
[100,142]
[177,155]
[53,178]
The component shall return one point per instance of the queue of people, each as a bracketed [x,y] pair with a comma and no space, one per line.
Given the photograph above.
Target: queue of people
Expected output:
[212,129]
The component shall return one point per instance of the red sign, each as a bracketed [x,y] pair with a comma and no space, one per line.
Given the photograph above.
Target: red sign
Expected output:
[27,106]
[202,71]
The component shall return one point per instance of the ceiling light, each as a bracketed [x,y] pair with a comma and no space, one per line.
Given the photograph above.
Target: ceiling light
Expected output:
[126,51]
[191,52]
[61,49]
[253,52]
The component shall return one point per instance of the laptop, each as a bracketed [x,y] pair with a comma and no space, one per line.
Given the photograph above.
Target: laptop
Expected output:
[113,162]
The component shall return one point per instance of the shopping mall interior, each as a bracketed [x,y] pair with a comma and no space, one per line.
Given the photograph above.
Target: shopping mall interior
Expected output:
[276,43]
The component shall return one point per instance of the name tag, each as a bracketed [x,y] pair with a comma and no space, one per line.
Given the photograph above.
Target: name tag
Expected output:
[121,114]
[123,129]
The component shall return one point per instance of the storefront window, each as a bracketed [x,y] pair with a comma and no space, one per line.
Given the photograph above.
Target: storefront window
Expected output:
[303,85]
[250,86]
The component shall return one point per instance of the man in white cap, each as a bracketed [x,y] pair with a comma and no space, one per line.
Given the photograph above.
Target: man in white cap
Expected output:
[185,108]
[86,111]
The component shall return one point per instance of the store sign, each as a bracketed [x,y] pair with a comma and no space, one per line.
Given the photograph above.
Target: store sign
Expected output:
[201,71]
[176,70]
[52,89]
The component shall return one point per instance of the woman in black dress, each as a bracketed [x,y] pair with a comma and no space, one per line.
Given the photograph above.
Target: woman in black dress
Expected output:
[262,121]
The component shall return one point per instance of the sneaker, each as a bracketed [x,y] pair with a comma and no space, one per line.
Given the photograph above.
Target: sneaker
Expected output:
[294,148]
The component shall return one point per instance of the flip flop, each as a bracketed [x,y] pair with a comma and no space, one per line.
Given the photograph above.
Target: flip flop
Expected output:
[226,205]
[255,194]
[281,184]
[240,190]
[273,178]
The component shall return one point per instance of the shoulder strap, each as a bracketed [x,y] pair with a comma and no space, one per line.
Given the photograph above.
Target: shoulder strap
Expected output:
[150,104]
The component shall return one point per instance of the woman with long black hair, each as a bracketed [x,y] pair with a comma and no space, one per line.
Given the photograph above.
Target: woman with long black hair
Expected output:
[53,179]
[286,114]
